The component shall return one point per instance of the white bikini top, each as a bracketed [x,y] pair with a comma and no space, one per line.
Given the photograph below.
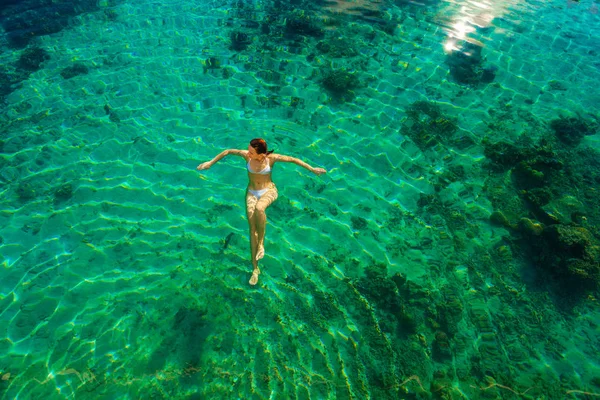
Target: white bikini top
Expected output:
[265,171]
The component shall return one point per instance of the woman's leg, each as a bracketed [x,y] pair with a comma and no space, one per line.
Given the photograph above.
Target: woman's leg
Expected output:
[250,211]
[260,218]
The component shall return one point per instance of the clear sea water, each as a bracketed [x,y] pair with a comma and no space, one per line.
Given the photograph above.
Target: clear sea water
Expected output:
[451,251]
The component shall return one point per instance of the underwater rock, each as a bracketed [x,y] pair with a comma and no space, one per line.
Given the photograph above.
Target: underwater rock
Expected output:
[564,208]
[572,253]
[530,227]
[426,126]
[454,173]
[527,177]
[326,303]
[29,62]
[538,197]
[63,193]
[212,63]
[337,47]
[573,241]
[572,130]
[358,223]
[74,70]
[31,59]
[426,199]
[503,154]
[341,83]
[25,20]
[442,126]
[240,41]
[300,24]
[400,280]
[380,290]
[441,347]
[499,218]
[418,109]
[466,66]
[450,311]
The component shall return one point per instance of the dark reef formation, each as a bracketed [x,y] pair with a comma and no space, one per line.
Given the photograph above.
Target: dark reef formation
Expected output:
[572,130]
[30,61]
[74,70]
[467,66]
[575,257]
[32,58]
[302,24]
[340,84]
[556,224]
[337,48]
[426,126]
[25,20]
[240,40]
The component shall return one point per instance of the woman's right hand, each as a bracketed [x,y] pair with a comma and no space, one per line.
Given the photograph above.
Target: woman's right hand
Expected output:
[205,165]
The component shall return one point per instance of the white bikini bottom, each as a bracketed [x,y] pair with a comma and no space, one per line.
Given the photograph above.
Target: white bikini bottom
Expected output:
[259,193]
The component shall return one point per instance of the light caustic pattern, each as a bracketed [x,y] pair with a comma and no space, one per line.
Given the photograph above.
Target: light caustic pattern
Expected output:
[124,271]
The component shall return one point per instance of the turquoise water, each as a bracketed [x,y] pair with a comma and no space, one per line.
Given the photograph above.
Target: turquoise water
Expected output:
[451,251]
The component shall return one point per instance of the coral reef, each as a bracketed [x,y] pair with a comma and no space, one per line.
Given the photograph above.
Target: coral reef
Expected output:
[426,126]
[212,63]
[503,155]
[555,223]
[23,21]
[300,24]
[29,61]
[32,58]
[340,84]
[467,66]
[388,295]
[572,130]
[568,253]
[337,47]
[240,41]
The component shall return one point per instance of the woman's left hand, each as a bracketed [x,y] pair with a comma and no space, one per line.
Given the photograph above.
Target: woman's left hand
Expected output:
[205,165]
[319,171]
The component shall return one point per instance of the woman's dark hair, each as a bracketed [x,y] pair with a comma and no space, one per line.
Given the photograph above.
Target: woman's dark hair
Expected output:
[260,146]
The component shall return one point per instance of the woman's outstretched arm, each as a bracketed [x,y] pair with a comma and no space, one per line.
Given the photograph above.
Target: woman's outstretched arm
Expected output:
[282,158]
[208,164]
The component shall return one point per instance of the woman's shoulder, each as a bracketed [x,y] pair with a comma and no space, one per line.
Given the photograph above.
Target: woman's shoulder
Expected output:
[272,158]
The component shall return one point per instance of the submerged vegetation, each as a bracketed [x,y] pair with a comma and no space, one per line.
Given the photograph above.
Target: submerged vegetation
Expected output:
[467,66]
[299,23]
[341,84]
[426,126]
[572,130]
[553,225]
[240,41]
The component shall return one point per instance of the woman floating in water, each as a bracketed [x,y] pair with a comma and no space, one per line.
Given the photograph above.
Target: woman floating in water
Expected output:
[261,191]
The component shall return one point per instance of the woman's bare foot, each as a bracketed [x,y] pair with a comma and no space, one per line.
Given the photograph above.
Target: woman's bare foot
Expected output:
[254,277]
[260,253]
